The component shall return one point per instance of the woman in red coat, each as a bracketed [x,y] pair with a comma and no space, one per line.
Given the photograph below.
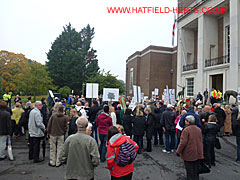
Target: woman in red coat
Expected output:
[115,140]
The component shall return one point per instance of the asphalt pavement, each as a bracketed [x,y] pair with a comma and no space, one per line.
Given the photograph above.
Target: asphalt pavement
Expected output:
[148,166]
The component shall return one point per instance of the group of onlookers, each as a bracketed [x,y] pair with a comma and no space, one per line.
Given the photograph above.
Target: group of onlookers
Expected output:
[190,130]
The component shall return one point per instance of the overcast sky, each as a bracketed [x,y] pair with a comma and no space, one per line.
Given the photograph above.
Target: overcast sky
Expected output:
[30,26]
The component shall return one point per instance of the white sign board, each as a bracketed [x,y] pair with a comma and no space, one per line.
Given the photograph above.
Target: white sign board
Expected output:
[139,94]
[166,97]
[156,91]
[135,93]
[238,99]
[172,96]
[110,94]
[92,90]
[51,93]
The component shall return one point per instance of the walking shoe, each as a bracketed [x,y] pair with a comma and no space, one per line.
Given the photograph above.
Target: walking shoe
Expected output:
[172,151]
[165,151]
[51,165]
[38,161]
[59,165]
[2,158]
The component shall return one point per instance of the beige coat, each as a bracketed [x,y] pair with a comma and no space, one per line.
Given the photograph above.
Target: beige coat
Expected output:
[228,121]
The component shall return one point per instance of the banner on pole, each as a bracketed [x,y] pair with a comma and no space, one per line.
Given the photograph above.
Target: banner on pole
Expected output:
[110,94]
[92,90]
[51,93]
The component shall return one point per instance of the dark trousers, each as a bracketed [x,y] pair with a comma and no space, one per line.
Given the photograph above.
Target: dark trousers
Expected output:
[76,179]
[169,146]
[149,144]
[94,131]
[34,148]
[238,147]
[209,153]
[103,147]
[127,177]
[139,141]
[192,169]
[158,132]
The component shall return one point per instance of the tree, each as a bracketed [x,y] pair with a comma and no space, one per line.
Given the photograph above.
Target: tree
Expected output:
[106,80]
[1,88]
[36,81]
[12,65]
[65,91]
[71,60]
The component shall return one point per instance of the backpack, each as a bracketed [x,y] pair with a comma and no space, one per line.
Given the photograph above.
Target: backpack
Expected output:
[127,154]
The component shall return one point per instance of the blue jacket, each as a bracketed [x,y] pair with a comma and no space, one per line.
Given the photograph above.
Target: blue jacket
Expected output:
[190,112]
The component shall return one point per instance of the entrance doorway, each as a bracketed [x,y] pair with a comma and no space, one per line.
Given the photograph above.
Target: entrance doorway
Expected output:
[217,82]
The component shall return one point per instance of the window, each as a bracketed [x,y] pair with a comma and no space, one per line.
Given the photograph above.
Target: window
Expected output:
[190,87]
[131,81]
[227,37]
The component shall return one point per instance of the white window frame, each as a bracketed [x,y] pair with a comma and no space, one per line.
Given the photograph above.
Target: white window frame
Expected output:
[187,87]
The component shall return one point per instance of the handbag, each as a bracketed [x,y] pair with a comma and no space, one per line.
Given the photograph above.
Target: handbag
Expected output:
[203,169]
[9,148]
[217,144]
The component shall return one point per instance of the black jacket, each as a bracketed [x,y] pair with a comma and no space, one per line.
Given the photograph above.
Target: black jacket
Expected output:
[210,133]
[157,120]
[93,112]
[221,116]
[72,126]
[118,112]
[150,126]
[168,118]
[238,128]
[138,125]
[5,123]
[127,124]
[234,115]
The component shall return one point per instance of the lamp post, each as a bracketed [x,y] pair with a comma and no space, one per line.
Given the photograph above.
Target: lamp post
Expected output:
[171,71]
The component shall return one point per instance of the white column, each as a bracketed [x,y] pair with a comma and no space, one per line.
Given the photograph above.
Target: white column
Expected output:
[234,44]
[198,82]
[179,62]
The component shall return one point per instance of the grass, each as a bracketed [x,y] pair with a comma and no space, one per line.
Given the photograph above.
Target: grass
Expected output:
[25,98]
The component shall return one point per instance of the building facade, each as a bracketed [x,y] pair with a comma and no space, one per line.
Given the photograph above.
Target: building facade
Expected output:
[208,47]
[153,67]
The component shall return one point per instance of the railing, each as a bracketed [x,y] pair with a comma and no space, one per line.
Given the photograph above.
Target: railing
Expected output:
[217,61]
[189,67]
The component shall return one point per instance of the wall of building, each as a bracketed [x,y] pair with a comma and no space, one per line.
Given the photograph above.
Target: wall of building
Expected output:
[188,42]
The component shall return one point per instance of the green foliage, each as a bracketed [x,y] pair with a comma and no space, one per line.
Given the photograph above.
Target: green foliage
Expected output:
[107,80]
[71,60]
[36,81]
[1,88]
[65,91]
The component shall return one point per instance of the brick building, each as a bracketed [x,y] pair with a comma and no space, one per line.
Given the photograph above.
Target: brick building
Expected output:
[150,69]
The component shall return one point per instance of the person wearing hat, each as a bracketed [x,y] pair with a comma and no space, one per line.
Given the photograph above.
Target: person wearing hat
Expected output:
[80,153]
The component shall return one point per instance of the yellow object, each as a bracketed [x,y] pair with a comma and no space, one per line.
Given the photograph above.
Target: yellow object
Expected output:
[16,114]
[5,97]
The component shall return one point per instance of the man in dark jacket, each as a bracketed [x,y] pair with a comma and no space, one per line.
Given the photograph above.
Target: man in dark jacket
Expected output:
[190,112]
[5,128]
[221,116]
[149,128]
[234,118]
[168,118]
[92,113]
[158,131]
[44,111]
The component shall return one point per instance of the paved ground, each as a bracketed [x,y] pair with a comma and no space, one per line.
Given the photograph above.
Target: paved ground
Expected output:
[152,166]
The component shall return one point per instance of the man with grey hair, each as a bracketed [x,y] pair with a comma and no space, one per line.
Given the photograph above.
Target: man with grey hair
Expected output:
[191,148]
[81,153]
[36,132]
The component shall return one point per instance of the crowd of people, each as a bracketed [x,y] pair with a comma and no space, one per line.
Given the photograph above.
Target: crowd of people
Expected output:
[97,131]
